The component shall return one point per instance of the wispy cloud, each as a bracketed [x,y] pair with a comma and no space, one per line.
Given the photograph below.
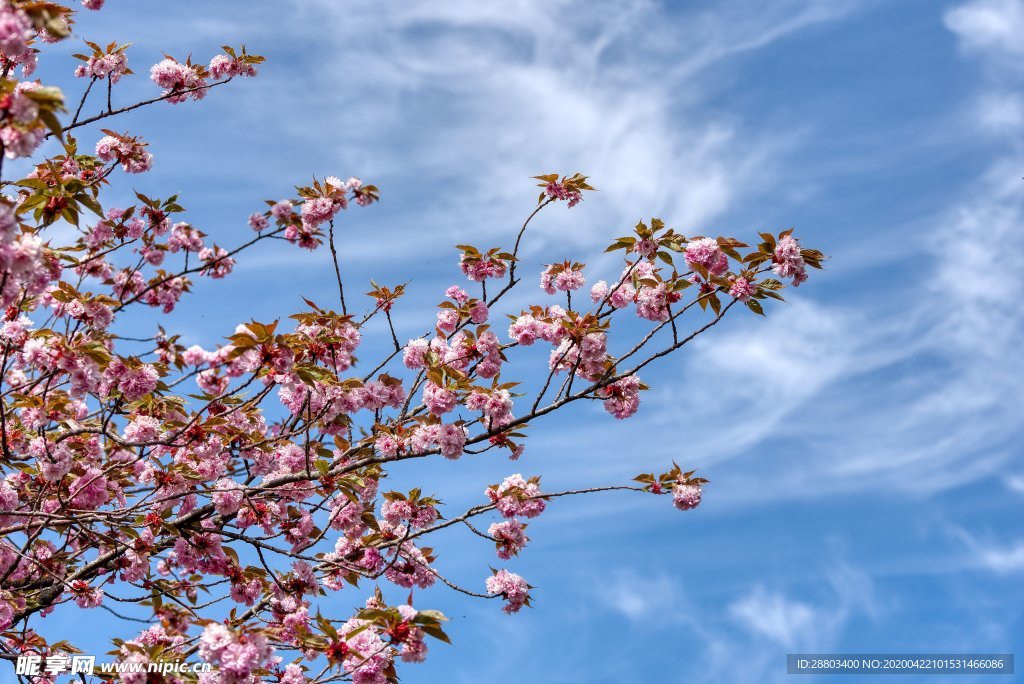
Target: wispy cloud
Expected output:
[915,387]
[616,90]
[796,624]
[991,555]
[992,27]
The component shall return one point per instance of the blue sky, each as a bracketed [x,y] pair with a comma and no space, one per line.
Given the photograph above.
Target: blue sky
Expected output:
[863,442]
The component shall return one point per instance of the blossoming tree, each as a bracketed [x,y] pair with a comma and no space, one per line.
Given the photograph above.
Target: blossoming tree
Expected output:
[226,492]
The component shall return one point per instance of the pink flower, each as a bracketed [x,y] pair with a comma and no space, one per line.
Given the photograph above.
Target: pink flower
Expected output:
[525,330]
[143,429]
[447,320]
[318,210]
[457,293]
[517,497]
[686,497]
[218,263]
[258,222]
[228,496]
[387,445]
[282,211]
[511,587]
[133,383]
[495,404]
[557,191]
[653,303]
[645,247]
[184,237]
[623,397]
[112,65]
[451,440]
[478,314]
[415,354]
[588,357]
[742,289]
[788,261]
[178,80]
[563,277]
[509,536]
[365,655]
[19,142]
[86,596]
[15,29]
[94,5]
[130,153]
[223,66]
[412,569]
[706,252]
[439,400]
[481,268]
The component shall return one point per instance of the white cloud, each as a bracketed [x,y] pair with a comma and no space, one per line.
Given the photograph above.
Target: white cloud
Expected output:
[989,555]
[612,89]
[642,598]
[1000,113]
[789,623]
[916,388]
[802,625]
[994,27]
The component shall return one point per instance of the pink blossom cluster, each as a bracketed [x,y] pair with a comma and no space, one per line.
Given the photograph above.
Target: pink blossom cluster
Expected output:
[588,357]
[150,639]
[411,637]
[706,252]
[25,267]
[86,596]
[398,511]
[564,277]
[235,655]
[112,65]
[178,80]
[449,439]
[129,152]
[412,568]
[480,268]
[439,400]
[496,405]
[217,263]
[132,382]
[224,67]
[365,655]
[319,210]
[15,34]
[622,397]
[742,289]
[21,132]
[788,262]
[545,325]
[558,191]
[511,587]
[686,497]
[350,555]
[509,537]
[334,403]
[184,238]
[301,228]
[94,5]
[651,294]
[458,352]
[516,496]
[93,313]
